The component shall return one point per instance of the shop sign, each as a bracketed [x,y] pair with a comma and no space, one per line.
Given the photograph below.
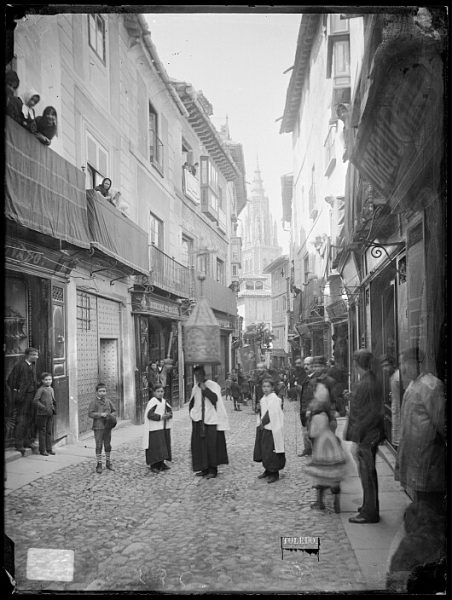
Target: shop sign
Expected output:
[225,323]
[29,254]
[337,310]
[145,303]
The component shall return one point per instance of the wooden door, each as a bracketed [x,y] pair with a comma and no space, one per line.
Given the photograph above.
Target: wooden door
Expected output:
[109,369]
[58,351]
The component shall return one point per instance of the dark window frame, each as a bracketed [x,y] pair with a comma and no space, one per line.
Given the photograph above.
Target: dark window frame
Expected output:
[97,20]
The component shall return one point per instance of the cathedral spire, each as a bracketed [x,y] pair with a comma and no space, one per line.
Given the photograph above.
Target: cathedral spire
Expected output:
[225,133]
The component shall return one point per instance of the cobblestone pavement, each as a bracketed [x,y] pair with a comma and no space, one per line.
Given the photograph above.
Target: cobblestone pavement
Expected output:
[132,530]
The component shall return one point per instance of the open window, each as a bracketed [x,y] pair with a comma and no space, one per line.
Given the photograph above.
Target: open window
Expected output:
[190,174]
[155,143]
[96,163]
[210,190]
[155,231]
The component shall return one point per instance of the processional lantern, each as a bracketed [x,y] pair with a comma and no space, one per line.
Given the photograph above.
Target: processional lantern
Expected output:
[202,334]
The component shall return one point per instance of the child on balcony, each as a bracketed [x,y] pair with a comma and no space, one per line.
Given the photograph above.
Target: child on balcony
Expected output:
[46,125]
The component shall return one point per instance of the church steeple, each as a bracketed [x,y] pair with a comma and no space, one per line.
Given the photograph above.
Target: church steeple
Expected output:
[258,185]
[224,132]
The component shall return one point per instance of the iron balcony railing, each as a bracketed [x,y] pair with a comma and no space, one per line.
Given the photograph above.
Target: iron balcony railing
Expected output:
[167,273]
[219,296]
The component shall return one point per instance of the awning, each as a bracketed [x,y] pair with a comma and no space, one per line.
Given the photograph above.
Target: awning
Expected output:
[116,235]
[43,191]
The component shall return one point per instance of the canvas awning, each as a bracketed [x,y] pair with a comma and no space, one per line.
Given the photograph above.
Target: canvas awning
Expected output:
[116,235]
[43,191]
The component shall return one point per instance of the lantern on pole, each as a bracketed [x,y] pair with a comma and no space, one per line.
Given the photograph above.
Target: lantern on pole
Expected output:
[202,334]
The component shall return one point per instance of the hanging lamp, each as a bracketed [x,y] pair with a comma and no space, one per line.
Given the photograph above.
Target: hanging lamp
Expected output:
[202,334]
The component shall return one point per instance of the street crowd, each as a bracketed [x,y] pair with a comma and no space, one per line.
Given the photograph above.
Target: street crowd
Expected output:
[322,393]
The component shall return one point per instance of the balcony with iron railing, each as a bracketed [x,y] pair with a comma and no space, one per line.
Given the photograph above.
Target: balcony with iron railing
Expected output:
[219,296]
[168,274]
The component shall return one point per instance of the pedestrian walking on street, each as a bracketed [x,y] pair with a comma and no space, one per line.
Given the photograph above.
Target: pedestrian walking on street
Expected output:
[103,413]
[45,409]
[269,443]
[22,382]
[227,386]
[327,466]
[209,422]
[157,432]
[236,392]
[365,428]
[314,367]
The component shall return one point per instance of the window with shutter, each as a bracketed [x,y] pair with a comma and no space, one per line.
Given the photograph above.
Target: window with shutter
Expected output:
[155,143]
[155,231]
[97,159]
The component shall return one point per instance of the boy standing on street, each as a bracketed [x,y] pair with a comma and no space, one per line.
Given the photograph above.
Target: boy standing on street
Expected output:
[45,409]
[101,410]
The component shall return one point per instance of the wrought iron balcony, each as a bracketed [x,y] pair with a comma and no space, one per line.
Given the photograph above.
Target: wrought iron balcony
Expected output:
[219,296]
[167,273]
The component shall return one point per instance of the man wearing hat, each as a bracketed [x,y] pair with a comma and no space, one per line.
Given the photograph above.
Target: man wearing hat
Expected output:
[209,422]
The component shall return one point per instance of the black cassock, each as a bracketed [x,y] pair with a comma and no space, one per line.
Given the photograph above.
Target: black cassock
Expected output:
[208,445]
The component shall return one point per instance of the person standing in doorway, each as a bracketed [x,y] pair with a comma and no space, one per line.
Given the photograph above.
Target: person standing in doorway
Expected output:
[161,373]
[153,378]
[22,382]
[366,429]
[45,409]
[209,422]
[100,410]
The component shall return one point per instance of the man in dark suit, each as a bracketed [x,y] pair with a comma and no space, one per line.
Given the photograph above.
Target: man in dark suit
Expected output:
[23,384]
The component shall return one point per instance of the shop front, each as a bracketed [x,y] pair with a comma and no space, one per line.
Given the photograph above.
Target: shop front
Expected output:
[157,337]
[35,315]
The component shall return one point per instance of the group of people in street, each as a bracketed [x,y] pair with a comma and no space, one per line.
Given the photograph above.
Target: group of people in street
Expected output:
[22,110]
[34,406]
[420,465]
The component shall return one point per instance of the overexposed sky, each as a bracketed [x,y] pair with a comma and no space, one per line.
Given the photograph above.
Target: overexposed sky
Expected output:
[237,61]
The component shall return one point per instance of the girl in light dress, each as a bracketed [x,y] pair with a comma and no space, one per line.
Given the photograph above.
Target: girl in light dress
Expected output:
[327,466]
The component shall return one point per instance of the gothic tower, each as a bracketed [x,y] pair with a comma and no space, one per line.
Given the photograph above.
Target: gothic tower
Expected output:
[259,248]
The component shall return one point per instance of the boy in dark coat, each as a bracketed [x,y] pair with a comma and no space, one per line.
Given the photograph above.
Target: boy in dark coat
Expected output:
[101,410]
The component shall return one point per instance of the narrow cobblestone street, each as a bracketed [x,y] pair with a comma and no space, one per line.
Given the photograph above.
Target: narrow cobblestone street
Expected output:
[135,530]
